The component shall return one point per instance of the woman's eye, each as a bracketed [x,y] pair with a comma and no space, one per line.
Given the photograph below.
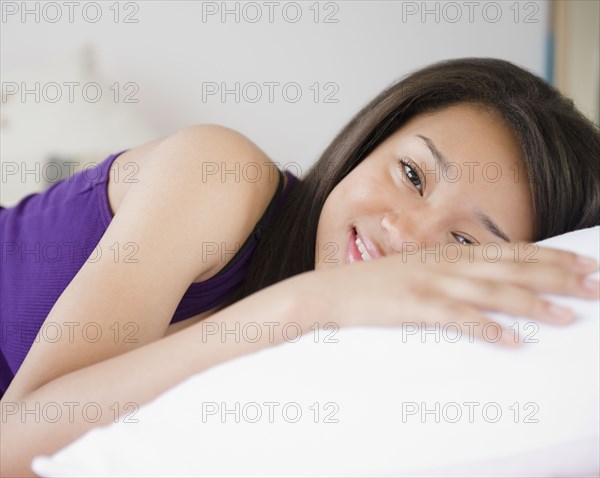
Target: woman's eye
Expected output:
[463,240]
[412,175]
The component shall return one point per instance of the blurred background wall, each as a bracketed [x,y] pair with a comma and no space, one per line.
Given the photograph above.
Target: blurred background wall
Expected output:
[82,80]
[576,52]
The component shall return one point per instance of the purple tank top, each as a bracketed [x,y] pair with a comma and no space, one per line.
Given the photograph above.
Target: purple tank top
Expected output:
[48,236]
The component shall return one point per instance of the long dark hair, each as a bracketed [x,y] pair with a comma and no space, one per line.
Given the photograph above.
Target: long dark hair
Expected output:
[560,146]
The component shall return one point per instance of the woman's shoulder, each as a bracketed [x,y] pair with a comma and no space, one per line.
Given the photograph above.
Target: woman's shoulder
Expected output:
[217,153]
[217,176]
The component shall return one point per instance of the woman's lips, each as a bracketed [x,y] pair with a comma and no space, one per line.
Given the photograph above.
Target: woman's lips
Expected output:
[372,251]
[353,253]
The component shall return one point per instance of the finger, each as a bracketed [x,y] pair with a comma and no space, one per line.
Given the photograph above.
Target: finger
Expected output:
[533,253]
[539,277]
[440,314]
[502,297]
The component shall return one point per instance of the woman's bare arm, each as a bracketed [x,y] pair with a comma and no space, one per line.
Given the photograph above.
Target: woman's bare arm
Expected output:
[385,292]
[117,386]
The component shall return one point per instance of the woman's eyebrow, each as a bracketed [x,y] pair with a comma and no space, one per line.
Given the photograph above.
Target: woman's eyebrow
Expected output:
[442,162]
[491,226]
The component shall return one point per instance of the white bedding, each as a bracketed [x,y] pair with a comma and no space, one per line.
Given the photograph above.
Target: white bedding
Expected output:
[370,381]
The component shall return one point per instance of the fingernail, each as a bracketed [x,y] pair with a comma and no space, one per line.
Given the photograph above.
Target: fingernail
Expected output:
[591,285]
[560,312]
[508,339]
[587,262]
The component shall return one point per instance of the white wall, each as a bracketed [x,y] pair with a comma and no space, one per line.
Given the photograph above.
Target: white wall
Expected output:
[172,50]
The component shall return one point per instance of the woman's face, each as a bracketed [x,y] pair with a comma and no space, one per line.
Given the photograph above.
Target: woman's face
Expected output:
[452,176]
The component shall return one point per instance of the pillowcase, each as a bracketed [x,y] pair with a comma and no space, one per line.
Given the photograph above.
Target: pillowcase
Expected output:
[378,402]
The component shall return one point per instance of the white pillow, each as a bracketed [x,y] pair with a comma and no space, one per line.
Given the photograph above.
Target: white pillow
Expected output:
[367,382]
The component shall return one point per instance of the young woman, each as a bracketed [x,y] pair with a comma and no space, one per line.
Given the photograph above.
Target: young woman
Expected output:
[392,224]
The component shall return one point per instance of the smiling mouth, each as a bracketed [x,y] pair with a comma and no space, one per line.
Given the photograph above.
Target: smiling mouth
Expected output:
[356,250]
[361,247]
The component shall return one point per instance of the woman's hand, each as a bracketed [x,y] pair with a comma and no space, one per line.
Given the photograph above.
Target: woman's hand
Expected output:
[454,288]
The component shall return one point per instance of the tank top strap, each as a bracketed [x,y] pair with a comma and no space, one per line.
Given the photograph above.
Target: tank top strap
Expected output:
[257,232]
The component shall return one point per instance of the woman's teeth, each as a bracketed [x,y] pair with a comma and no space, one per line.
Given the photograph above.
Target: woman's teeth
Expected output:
[362,249]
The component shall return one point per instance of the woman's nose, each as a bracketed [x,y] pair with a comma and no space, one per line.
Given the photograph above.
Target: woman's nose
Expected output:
[404,232]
